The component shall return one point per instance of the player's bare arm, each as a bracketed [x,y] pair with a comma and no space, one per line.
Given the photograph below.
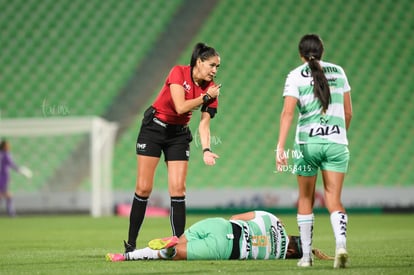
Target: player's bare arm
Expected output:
[204,130]
[244,216]
[286,118]
[347,109]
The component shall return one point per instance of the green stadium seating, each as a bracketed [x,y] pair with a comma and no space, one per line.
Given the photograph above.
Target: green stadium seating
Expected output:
[79,54]
[71,57]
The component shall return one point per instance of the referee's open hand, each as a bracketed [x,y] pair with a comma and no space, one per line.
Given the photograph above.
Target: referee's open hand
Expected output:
[210,158]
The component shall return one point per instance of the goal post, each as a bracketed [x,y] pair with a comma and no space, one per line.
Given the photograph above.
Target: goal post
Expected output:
[88,156]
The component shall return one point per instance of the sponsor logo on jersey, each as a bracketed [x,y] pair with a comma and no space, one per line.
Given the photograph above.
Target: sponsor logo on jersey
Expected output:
[186,86]
[276,242]
[273,240]
[324,131]
[246,236]
[306,72]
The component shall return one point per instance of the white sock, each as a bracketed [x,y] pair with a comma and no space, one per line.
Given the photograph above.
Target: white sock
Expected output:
[339,221]
[305,224]
[143,254]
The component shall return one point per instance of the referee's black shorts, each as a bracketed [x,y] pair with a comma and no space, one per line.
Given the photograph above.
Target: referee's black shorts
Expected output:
[155,136]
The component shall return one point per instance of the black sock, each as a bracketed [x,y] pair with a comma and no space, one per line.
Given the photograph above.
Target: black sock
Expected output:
[136,217]
[177,215]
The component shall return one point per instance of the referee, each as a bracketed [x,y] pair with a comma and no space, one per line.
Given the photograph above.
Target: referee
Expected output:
[165,129]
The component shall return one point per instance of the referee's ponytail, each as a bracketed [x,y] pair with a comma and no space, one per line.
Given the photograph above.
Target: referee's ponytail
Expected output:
[311,49]
[202,51]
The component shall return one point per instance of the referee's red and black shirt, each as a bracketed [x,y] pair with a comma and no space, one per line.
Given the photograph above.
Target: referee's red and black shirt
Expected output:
[164,104]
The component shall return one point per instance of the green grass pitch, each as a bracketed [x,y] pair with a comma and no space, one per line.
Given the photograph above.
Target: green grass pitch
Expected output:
[377,244]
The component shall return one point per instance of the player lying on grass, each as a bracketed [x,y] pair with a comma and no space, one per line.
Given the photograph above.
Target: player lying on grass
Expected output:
[252,235]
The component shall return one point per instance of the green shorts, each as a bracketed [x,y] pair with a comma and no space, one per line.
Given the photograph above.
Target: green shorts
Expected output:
[326,156]
[209,240]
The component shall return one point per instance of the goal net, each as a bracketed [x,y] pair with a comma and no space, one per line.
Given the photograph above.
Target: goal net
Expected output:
[71,162]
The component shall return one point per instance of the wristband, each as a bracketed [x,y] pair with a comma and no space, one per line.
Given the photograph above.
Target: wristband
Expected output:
[206,150]
[206,98]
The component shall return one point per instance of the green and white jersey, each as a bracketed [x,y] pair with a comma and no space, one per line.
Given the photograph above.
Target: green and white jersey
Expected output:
[263,238]
[313,126]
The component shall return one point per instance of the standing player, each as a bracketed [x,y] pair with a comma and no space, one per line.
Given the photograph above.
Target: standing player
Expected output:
[7,163]
[165,129]
[255,235]
[321,92]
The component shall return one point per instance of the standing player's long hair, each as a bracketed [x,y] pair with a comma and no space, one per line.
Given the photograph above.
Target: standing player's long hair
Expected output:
[202,51]
[311,49]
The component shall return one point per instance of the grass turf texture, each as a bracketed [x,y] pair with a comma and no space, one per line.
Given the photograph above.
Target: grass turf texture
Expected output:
[377,244]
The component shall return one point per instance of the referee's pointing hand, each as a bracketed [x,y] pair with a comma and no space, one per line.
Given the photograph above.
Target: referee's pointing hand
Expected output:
[210,158]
